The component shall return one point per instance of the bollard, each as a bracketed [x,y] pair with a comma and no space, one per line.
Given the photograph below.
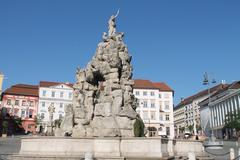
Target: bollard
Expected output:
[238,153]
[237,143]
[231,154]
[191,156]
[88,156]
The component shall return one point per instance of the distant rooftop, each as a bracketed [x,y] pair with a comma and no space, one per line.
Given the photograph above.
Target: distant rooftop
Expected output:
[22,89]
[147,84]
[189,100]
[49,84]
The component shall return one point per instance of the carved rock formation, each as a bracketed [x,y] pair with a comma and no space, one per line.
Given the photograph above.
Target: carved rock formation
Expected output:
[103,103]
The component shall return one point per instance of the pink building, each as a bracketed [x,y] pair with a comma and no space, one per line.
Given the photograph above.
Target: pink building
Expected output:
[21,100]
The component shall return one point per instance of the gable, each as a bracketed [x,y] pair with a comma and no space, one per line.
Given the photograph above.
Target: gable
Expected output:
[61,86]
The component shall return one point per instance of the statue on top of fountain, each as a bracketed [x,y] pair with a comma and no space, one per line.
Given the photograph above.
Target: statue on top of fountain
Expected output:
[103,103]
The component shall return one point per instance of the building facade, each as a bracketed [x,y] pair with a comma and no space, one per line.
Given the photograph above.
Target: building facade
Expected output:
[1,84]
[179,120]
[21,100]
[187,118]
[56,94]
[215,110]
[155,107]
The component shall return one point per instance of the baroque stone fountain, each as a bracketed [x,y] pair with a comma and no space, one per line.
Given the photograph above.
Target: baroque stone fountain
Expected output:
[101,123]
[103,104]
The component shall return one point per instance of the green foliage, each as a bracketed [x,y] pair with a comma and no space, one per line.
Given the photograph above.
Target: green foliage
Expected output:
[182,129]
[4,112]
[199,128]
[4,127]
[139,128]
[18,121]
[232,121]
[190,127]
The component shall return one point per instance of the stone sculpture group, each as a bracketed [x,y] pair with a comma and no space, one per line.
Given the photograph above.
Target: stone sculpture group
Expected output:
[103,104]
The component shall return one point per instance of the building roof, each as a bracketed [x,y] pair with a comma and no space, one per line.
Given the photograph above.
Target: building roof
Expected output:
[221,93]
[189,100]
[22,89]
[49,84]
[147,84]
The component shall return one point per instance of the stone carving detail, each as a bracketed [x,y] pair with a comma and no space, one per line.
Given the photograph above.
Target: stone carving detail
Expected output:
[103,103]
[67,123]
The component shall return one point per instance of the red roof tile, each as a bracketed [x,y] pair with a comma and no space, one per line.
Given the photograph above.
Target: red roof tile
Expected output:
[146,84]
[22,89]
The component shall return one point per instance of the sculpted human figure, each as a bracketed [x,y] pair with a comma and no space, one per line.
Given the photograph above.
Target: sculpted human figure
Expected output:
[112,24]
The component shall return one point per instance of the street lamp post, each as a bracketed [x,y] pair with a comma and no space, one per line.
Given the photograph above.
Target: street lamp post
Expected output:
[212,143]
[207,82]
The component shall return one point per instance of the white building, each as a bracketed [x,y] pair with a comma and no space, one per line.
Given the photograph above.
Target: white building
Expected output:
[187,112]
[213,114]
[56,94]
[155,107]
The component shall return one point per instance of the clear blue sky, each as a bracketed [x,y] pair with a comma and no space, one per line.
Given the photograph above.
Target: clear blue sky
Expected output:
[170,41]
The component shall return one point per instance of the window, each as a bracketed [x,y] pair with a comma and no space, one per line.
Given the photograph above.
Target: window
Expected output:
[137,93]
[8,101]
[145,93]
[24,103]
[167,117]
[44,93]
[153,116]
[43,104]
[166,95]
[53,93]
[166,103]
[160,96]
[160,117]
[22,113]
[30,113]
[61,94]
[145,115]
[16,102]
[168,131]
[29,126]
[152,93]
[31,103]
[145,104]
[152,104]
[160,129]
[69,95]
[61,105]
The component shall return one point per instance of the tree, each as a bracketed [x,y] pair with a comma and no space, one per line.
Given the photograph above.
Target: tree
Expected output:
[181,129]
[199,128]
[190,127]
[139,128]
[232,121]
